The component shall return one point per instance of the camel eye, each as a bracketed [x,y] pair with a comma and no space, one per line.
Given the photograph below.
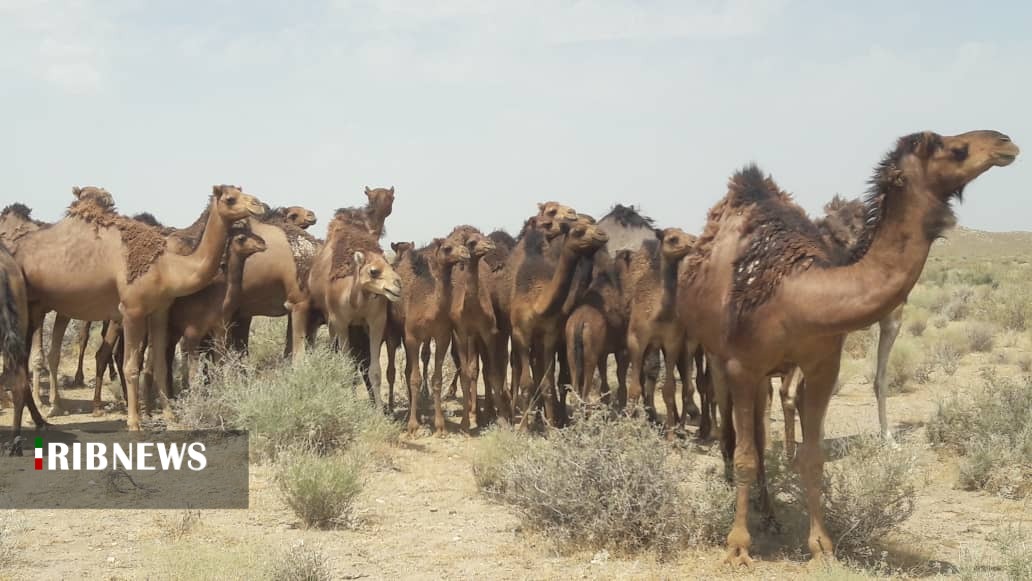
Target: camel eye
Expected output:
[447,249]
[231,201]
[553,212]
[374,272]
[675,240]
[241,239]
[959,153]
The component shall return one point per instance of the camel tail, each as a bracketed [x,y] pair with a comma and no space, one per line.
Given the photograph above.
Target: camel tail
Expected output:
[12,342]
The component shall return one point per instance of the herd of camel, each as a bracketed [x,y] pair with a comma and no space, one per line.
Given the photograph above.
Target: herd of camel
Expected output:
[762,291]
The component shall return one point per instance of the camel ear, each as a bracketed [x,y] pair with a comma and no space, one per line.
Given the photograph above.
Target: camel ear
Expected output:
[437,242]
[359,259]
[659,235]
[216,191]
[897,177]
[541,206]
[391,190]
[76,191]
[394,246]
[368,192]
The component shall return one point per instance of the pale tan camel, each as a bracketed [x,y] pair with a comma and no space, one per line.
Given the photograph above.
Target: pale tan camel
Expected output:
[14,348]
[349,284]
[762,288]
[95,265]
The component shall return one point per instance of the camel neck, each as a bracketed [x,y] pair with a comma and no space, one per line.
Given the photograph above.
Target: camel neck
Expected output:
[234,282]
[668,286]
[443,284]
[847,298]
[556,291]
[203,264]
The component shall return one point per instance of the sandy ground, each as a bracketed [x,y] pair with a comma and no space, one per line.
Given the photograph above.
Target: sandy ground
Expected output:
[422,518]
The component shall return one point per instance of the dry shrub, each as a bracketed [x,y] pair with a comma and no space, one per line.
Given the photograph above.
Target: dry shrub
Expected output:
[313,404]
[1010,307]
[869,492]
[917,326]
[980,337]
[992,431]
[939,322]
[946,354]
[1012,559]
[605,483]
[860,343]
[959,306]
[300,563]
[175,528]
[321,490]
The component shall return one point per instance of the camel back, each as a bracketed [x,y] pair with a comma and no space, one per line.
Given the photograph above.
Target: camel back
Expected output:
[303,246]
[142,245]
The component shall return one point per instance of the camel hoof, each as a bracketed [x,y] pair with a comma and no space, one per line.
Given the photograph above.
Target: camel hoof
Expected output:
[693,412]
[738,557]
[98,411]
[133,425]
[78,381]
[55,410]
[16,446]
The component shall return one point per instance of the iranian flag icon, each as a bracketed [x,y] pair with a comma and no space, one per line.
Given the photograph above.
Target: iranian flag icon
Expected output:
[39,453]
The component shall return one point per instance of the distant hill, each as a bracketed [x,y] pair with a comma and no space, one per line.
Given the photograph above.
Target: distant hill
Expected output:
[969,243]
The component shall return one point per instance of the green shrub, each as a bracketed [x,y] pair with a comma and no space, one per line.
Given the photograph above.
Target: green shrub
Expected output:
[321,490]
[992,431]
[313,404]
[605,483]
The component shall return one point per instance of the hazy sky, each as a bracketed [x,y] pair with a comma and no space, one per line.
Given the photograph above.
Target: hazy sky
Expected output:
[476,109]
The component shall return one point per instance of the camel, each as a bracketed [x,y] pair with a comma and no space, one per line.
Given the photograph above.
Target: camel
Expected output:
[597,327]
[426,275]
[842,224]
[349,284]
[298,216]
[96,265]
[651,296]
[208,311]
[762,288]
[540,288]
[394,335]
[476,328]
[14,330]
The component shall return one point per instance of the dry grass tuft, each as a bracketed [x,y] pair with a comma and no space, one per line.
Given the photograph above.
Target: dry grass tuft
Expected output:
[300,563]
[321,490]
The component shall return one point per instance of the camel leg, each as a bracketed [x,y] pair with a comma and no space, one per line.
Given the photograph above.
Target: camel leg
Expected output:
[84,341]
[708,422]
[651,378]
[623,362]
[602,367]
[240,334]
[635,371]
[158,334]
[414,380]
[684,369]
[888,330]
[297,324]
[456,360]
[488,412]
[54,362]
[555,412]
[441,344]
[114,371]
[392,369]
[788,391]
[191,361]
[522,380]
[493,381]
[37,355]
[134,328]
[671,355]
[107,344]
[722,396]
[745,389]
[820,377]
[376,329]
[424,358]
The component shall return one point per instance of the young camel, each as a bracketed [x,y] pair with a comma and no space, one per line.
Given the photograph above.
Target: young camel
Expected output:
[98,265]
[426,276]
[762,289]
[651,296]
[597,327]
[541,287]
[349,284]
[208,312]
[476,327]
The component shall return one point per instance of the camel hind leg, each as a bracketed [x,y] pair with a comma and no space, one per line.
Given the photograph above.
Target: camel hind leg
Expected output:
[104,355]
[888,330]
[84,341]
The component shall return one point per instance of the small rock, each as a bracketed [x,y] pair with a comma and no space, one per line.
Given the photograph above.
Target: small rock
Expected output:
[456,539]
[433,509]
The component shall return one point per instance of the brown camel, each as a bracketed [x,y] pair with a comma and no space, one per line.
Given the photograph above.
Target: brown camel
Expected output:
[208,311]
[597,327]
[762,288]
[298,216]
[426,275]
[476,329]
[96,265]
[394,335]
[14,330]
[349,284]
[541,286]
[842,225]
[651,297]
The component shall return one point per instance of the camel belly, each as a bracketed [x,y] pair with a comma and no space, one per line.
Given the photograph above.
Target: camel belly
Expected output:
[79,301]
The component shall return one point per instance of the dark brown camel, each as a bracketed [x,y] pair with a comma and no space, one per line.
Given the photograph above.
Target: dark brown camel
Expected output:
[763,288]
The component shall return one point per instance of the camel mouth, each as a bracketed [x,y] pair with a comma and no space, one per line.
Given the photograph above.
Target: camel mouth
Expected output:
[391,295]
[1003,159]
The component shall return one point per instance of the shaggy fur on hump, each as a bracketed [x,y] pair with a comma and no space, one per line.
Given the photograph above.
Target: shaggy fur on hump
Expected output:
[504,243]
[418,260]
[346,239]
[22,211]
[149,219]
[303,246]
[502,238]
[628,217]
[192,234]
[142,245]
[842,224]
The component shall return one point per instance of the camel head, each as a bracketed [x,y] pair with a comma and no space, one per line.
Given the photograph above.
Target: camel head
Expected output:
[557,211]
[945,164]
[376,276]
[99,196]
[450,250]
[675,243]
[233,204]
[381,201]
[479,245]
[547,225]
[245,243]
[400,248]
[584,239]
[300,217]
